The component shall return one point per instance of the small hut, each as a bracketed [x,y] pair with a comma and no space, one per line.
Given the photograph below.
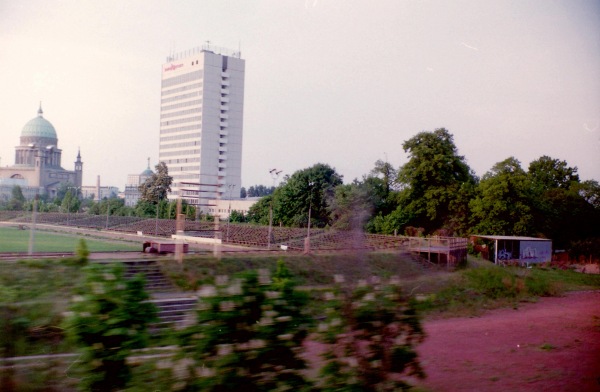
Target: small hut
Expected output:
[502,249]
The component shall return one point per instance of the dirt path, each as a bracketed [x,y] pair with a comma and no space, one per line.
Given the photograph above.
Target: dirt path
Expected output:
[551,345]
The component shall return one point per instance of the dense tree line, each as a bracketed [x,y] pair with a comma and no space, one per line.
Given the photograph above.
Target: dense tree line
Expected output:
[257,191]
[67,199]
[153,202]
[436,192]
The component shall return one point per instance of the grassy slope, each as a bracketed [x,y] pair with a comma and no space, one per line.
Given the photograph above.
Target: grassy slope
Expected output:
[35,293]
[308,270]
[480,286]
[14,240]
[483,286]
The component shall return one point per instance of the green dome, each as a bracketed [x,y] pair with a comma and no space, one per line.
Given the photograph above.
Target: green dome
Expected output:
[39,127]
[147,172]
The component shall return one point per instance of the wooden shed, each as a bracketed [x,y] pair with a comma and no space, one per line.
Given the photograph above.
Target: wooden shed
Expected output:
[502,249]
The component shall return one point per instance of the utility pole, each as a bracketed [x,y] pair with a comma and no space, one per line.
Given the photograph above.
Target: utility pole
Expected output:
[107,212]
[230,186]
[307,239]
[179,229]
[33,219]
[274,175]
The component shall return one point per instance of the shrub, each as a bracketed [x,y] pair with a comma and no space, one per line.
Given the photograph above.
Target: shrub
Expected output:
[373,329]
[248,337]
[109,317]
[493,282]
[82,252]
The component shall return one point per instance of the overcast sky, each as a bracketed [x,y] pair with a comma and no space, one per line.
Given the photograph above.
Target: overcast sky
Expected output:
[333,81]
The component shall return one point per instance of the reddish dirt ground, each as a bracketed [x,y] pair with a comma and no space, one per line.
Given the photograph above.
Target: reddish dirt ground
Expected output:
[550,345]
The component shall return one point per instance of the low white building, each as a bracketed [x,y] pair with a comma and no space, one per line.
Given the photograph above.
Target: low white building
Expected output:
[224,206]
[99,193]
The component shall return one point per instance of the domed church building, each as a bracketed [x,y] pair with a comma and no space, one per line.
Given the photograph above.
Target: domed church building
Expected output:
[132,192]
[37,168]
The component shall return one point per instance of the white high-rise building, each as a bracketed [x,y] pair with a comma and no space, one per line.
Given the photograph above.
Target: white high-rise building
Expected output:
[201,123]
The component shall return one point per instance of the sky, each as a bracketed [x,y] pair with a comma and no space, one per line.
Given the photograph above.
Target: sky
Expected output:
[340,82]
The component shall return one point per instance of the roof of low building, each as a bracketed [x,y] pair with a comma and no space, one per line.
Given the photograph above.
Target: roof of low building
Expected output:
[511,238]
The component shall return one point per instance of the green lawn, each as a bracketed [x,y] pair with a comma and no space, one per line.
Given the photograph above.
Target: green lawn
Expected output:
[14,240]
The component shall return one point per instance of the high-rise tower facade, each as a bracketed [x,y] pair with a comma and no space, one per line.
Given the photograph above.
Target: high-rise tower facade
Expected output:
[201,123]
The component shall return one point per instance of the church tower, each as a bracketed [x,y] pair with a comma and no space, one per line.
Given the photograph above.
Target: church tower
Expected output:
[78,170]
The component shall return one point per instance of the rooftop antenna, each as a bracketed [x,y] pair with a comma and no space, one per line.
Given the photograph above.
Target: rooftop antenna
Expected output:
[172,52]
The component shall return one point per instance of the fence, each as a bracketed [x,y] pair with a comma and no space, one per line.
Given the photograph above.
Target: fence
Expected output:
[450,251]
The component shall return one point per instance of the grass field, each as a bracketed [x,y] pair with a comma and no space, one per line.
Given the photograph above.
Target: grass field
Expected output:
[14,240]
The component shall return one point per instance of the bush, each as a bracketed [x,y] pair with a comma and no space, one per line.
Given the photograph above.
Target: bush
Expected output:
[248,336]
[373,329]
[109,318]
[494,282]
[82,252]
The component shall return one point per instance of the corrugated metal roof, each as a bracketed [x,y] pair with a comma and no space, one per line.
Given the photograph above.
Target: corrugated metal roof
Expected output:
[509,237]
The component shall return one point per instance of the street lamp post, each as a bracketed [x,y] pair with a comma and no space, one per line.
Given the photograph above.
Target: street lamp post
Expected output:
[33,220]
[158,199]
[274,175]
[307,240]
[107,212]
[230,186]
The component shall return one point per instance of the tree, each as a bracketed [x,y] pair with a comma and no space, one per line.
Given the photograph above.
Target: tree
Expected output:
[243,193]
[17,201]
[560,212]
[190,211]
[312,188]
[563,215]
[61,192]
[259,212]
[503,202]
[431,179]
[306,190]
[110,206]
[157,186]
[260,191]
[237,216]
[590,191]
[70,202]
[145,208]
[109,318]
[546,173]
[386,172]
[390,223]
[351,207]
